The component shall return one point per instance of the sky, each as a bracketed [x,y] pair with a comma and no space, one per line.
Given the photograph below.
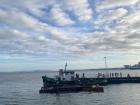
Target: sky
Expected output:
[44,34]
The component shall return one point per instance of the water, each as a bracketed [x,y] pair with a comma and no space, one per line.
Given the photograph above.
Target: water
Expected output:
[21,88]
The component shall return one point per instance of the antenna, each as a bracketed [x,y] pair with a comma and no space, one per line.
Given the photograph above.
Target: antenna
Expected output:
[66,66]
[105,62]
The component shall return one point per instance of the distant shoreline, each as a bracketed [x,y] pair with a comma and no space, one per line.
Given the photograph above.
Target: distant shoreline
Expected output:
[69,69]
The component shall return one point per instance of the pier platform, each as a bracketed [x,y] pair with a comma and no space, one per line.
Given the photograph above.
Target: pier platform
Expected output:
[111,80]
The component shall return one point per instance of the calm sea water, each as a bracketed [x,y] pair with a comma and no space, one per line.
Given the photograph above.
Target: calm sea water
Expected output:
[21,88]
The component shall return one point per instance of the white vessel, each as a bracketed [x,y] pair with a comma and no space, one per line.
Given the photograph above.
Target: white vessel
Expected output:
[135,66]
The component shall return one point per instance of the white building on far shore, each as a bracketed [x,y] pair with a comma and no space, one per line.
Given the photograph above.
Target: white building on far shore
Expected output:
[135,66]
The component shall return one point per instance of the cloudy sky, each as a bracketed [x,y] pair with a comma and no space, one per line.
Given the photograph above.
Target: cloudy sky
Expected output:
[44,34]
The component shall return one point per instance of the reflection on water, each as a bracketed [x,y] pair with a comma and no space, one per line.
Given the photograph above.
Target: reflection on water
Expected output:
[22,89]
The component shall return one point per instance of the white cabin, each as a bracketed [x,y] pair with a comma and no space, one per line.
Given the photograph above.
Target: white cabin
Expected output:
[66,75]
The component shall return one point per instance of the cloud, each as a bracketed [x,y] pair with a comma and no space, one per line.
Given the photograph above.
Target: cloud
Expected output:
[111,15]
[80,8]
[17,19]
[60,17]
[115,14]
[73,27]
[108,4]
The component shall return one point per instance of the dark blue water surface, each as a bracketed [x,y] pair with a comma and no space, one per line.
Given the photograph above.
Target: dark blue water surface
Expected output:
[21,88]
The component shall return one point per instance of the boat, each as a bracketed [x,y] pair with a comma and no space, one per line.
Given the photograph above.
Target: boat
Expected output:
[68,81]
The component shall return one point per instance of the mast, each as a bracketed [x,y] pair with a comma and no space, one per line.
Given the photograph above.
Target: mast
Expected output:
[66,66]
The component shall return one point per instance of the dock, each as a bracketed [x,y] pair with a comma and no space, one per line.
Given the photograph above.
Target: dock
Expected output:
[108,81]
